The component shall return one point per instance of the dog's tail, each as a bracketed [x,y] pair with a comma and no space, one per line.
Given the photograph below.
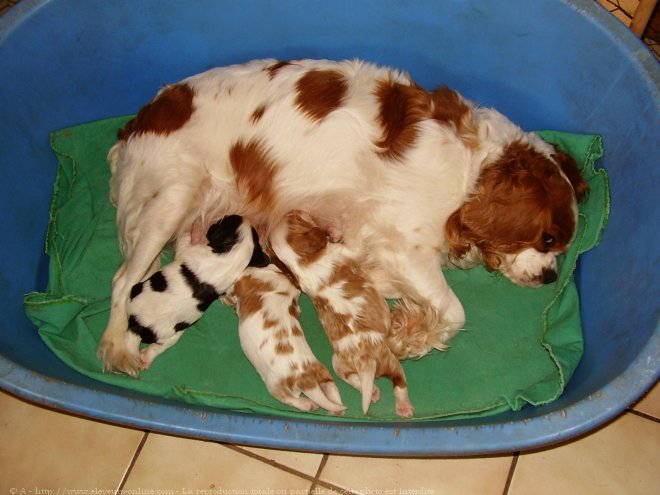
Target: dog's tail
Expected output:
[367,375]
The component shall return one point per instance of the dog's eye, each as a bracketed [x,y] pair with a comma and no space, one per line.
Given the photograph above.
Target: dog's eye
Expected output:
[548,239]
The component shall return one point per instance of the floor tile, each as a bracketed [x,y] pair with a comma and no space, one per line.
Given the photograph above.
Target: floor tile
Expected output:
[621,458]
[304,462]
[46,450]
[192,465]
[391,476]
[650,404]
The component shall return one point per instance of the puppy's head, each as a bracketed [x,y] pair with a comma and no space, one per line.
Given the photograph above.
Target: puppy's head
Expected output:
[226,233]
[223,235]
[306,240]
[522,214]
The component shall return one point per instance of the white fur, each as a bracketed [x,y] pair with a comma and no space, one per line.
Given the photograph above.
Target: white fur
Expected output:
[392,212]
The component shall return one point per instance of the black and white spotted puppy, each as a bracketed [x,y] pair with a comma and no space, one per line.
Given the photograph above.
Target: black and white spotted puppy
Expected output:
[175,297]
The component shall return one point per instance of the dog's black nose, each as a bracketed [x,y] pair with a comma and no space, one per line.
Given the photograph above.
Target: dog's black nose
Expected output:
[548,276]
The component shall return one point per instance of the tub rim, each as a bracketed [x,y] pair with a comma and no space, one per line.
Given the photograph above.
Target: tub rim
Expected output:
[448,438]
[432,438]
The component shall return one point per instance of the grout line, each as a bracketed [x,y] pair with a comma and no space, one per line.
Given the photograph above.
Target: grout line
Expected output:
[644,415]
[270,462]
[512,469]
[129,469]
[316,481]
[324,460]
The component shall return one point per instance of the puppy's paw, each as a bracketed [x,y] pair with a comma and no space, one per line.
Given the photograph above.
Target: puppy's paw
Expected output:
[404,409]
[145,362]
[375,395]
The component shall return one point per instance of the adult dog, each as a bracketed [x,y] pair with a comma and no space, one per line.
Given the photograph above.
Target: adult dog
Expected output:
[412,179]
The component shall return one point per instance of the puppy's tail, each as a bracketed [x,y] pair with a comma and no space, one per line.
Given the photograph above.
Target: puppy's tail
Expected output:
[367,375]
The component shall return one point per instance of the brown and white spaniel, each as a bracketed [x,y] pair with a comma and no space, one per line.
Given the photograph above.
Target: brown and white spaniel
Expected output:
[413,180]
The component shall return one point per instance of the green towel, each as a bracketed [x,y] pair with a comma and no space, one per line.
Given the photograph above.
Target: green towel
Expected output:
[519,345]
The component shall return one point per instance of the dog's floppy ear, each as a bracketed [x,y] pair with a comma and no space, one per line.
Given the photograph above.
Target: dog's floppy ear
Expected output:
[461,238]
[459,245]
[259,258]
[572,173]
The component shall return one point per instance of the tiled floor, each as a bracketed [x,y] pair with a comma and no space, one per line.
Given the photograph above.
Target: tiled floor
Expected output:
[43,452]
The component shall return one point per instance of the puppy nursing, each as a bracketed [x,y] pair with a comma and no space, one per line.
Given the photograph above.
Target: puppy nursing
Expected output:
[355,316]
[273,341]
[173,298]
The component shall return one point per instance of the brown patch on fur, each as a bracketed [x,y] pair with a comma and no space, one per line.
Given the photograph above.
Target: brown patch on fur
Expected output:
[249,291]
[519,202]
[336,325]
[258,113]
[374,312]
[313,374]
[269,322]
[166,113]
[401,109]
[275,68]
[354,283]
[294,310]
[255,172]
[320,92]
[570,169]
[283,347]
[450,108]
[306,239]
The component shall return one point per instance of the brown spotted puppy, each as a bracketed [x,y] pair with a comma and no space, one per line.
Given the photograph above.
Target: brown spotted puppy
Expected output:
[355,316]
[273,341]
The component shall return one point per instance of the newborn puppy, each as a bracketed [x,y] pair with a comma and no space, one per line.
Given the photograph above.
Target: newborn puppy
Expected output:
[273,341]
[175,297]
[355,316]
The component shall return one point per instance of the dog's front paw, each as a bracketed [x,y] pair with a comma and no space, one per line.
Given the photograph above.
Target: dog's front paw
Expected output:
[451,321]
[117,358]
[410,334]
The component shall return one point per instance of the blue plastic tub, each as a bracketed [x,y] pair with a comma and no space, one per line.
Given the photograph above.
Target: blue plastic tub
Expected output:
[564,65]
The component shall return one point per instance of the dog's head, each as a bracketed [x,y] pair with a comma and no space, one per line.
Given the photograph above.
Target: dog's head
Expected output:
[521,215]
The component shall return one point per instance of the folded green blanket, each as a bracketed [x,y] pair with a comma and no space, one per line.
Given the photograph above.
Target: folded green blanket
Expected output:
[519,346]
